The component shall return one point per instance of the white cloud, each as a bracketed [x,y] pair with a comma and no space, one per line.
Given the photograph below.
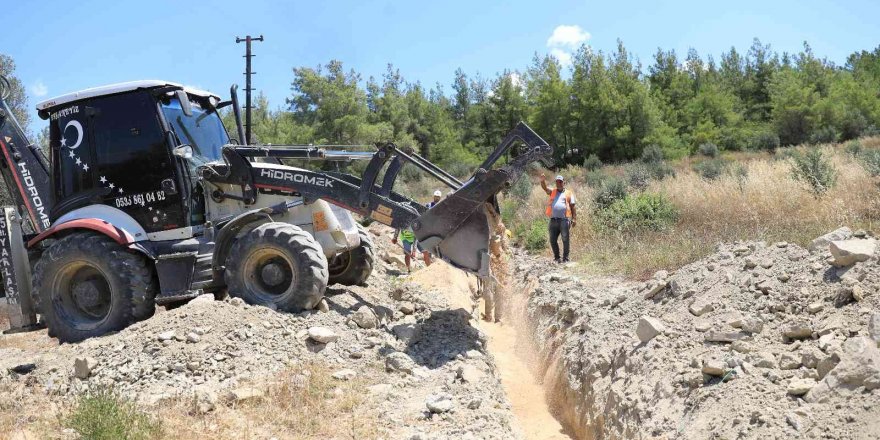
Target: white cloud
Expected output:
[570,36]
[562,56]
[515,79]
[38,89]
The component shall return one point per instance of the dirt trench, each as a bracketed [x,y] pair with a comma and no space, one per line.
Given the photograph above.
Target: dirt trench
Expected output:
[529,382]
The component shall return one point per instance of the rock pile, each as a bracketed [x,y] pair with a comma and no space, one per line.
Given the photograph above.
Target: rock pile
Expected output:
[755,341]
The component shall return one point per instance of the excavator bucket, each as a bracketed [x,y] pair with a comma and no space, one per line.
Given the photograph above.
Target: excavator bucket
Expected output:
[457,228]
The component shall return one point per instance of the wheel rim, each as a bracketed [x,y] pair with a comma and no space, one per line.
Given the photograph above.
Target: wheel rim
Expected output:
[269,273]
[82,295]
[339,263]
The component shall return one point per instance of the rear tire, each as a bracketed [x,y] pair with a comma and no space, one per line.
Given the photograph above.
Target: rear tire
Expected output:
[89,285]
[277,263]
[353,267]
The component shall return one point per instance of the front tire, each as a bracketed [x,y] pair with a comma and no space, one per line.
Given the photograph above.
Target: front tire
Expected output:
[89,285]
[353,267]
[280,264]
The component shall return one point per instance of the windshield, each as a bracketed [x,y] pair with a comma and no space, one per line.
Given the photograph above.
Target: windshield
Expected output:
[203,130]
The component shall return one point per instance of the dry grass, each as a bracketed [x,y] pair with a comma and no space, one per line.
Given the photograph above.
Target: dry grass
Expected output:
[767,205]
[319,407]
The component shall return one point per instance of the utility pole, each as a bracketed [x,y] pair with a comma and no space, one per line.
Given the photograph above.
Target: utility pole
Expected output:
[247,88]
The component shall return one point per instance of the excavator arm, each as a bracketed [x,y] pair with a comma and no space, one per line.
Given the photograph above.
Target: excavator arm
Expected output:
[456,229]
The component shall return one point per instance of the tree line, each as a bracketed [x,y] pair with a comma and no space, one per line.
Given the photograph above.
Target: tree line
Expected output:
[603,104]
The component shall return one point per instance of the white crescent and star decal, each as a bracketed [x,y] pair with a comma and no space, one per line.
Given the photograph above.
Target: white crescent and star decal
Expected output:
[79,134]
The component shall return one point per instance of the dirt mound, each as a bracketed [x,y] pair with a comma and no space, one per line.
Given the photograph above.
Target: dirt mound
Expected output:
[754,341]
[425,365]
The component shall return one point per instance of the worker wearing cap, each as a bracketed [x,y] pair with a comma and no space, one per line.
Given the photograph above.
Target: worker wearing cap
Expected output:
[562,213]
[425,254]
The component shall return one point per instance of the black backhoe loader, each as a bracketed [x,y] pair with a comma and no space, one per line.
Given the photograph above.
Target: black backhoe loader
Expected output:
[144,199]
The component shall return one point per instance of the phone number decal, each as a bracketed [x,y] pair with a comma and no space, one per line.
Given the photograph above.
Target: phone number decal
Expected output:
[142,199]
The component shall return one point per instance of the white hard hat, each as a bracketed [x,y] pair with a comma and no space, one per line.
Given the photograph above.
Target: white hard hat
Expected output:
[559,177]
[438,193]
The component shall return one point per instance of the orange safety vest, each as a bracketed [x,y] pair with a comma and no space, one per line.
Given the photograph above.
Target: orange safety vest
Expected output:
[549,210]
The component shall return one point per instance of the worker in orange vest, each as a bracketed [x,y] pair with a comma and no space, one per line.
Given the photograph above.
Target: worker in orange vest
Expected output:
[562,213]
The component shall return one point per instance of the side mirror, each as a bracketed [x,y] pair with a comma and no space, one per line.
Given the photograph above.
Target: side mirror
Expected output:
[185,105]
[184,151]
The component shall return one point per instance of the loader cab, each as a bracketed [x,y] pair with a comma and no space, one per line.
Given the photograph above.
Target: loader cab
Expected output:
[115,146]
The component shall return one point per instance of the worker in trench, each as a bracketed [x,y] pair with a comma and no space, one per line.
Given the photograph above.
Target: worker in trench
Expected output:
[491,288]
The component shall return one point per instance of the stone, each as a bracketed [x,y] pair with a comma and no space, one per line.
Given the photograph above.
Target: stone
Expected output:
[236,301]
[654,287]
[193,337]
[365,318]
[474,403]
[205,399]
[727,337]
[700,307]
[346,374]
[764,359]
[380,389]
[788,361]
[798,330]
[859,293]
[470,374]
[826,364]
[859,366]
[874,327]
[849,252]
[407,308]
[648,328]
[244,394]
[714,367]
[405,332]
[752,325]
[799,387]
[439,403]
[323,306]
[166,336]
[399,361]
[83,367]
[821,243]
[815,307]
[322,335]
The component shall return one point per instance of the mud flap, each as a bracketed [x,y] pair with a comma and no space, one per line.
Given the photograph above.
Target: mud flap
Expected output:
[16,273]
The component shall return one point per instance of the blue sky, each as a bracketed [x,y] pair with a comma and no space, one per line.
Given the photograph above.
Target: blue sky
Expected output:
[62,46]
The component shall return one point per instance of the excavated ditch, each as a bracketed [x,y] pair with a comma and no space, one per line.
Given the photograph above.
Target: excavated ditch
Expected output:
[756,341]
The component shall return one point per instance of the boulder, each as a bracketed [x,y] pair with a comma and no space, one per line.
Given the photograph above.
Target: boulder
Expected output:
[798,330]
[789,361]
[700,307]
[244,394]
[799,387]
[648,328]
[470,374]
[859,366]
[439,403]
[849,252]
[874,327]
[322,335]
[714,367]
[346,374]
[727,337]
[821,243]
[399,361]
[83,367]
[365,318]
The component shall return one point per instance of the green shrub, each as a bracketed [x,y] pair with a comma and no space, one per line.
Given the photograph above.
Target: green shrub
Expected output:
[785,153]
[641,211]
[532,235]
[741,174]
[652,154]
[708,150]
[710,169]
[595,179]
[870,160]
[612,190]
[824,135]
[814,169]
[638,176]
[854,148]
[104,415]
[660,170]
[521,189]
[764,140]
[592,163]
